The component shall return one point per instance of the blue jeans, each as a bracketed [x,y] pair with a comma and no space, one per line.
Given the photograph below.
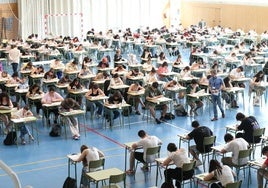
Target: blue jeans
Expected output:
[216,100]
[23,131]
[14,67]
[92,105]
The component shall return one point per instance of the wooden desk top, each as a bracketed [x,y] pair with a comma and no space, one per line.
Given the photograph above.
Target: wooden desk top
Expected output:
[104,174]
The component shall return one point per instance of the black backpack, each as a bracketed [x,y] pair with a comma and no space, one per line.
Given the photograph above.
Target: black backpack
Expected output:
[69,183]
[167,185]
[180,110]
[55,130]
[11,138]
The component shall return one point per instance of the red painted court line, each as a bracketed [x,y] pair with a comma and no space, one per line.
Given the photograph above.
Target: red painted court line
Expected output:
[106,137]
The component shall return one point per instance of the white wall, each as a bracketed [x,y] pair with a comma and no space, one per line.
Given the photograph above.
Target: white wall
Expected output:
[236,2]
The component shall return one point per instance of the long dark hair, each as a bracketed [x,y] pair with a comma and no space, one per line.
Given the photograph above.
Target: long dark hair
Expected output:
[72,84]
[215,165]
[82,148]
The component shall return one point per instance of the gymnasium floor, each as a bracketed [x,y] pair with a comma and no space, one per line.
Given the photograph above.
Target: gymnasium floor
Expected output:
[45,165]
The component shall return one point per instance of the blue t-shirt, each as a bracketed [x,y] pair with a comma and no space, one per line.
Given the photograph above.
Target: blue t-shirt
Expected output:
[215,83]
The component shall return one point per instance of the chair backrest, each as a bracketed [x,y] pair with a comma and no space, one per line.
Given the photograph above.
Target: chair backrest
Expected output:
[209,140]
[152,153]
[96,164]
[153,150]
[258,132]
[117,178]
[243,154]
[188,166]
[234,185]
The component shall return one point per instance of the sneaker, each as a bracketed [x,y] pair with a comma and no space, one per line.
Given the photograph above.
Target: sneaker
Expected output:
[138,113]
[75,137]
[145,168]
[198,163]
[38,116]
[130,172]
[31,137]
[157,121]
[214,119]
[162,119]
[23,141]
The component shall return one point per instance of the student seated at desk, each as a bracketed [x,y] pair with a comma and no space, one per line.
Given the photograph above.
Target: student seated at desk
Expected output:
[146,141]
[115,98]
[132,60]
[38,70]
[64,80]
[88,154]
[148,65]
[27,66]
[163,69]
[75,85]
[102,76]
[67,105]
[152,93]
[223,173]
[247,60]
[194,103]
[14,79]
[115,81]
[162,58]
[136,87]
[229,97]
[262,172]
[151,77]
[5,104]
[178,156]
[198,134]
[104,63]
[94,91]
[22,85]
[71,66]
[145,55]
[87,61]
[255,85]
[51,97]
[35,91]
[57,64]
[22,113]
[50,74]
[186,72]
[84,71]
[237,73]
[118,56]
[118,69]
[234,145]
[169,94]
[247,126]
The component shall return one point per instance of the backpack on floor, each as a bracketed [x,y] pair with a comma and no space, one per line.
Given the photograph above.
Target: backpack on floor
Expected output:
[169,116]
[55,130]
[180,110]
[167,185]
[69,183]
[11,138]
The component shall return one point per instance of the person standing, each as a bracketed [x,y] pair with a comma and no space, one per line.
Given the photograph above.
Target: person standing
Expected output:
[14,57]
[215,86]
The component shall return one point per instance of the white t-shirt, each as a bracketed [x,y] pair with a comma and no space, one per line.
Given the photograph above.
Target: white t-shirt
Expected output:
[236,74]
[179,157]
[226,175]
[92,155]
[235,146]
[149,142]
